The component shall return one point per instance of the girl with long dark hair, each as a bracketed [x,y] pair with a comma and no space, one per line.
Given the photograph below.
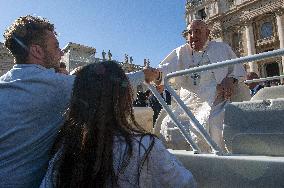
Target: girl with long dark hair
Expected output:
[101,144]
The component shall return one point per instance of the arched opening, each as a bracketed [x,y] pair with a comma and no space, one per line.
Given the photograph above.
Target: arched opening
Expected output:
[272,69]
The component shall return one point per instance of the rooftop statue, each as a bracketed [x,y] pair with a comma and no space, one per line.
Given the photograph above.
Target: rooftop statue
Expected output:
[145,62]
[125,58]
[94,53]
[104,55]
[109,55]
[148,63]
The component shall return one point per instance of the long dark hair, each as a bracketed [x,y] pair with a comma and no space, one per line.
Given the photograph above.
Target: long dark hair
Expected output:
[101,109]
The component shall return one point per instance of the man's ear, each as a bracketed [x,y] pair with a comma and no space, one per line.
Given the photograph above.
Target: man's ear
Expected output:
[36,51]
[207,32]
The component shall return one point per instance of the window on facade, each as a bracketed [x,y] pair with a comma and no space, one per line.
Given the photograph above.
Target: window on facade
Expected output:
[202,14]
[272,69]
[236,40]
[194,2]
[268,50]
[266,30]
[231,2]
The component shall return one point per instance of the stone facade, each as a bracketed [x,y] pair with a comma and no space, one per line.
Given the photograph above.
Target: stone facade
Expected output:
[6,59]
[248,26]
[76,55]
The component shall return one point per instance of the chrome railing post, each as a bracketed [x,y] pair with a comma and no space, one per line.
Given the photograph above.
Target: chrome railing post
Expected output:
[184,132]
[216,149]
[264,79]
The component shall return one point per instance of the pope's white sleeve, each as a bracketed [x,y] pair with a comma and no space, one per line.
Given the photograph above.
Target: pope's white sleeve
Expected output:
[169,64]
[238,69]
[135,78]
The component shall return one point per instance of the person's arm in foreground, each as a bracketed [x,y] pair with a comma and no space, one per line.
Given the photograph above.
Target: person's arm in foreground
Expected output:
[167,170]
[147,74]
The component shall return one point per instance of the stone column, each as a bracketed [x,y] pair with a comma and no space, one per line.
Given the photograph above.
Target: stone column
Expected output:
[251,47]
[216,32]
[280,31]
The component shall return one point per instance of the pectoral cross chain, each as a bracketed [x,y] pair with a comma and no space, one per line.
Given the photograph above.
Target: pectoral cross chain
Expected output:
[196,76]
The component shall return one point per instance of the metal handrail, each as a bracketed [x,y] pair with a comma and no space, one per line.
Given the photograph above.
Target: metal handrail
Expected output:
[216,149]
[264,79]
[185,133]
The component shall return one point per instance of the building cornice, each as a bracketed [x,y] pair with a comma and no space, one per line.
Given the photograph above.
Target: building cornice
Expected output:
[190,7]
[247,11]
[80,47]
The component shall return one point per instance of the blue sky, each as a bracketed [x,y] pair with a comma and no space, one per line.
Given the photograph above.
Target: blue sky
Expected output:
[141,28]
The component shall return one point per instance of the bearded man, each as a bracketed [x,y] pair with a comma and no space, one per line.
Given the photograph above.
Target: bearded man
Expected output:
[205,93]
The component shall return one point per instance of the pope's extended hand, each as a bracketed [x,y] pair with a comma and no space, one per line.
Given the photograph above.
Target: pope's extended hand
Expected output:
[151,74]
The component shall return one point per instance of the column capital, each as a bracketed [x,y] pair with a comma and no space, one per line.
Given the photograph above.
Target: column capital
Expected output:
[216,33]
[247,22]
[279,12]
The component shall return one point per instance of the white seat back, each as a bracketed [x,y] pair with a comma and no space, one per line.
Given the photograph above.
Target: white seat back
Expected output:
[253,117]
[273,92]
[211,171]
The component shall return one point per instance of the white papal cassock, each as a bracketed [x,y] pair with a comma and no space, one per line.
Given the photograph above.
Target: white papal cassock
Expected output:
[198,91]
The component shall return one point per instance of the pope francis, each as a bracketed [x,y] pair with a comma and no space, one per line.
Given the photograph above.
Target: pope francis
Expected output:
[205,93]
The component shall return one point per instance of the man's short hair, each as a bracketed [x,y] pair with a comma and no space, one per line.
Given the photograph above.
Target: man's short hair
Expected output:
[26,30]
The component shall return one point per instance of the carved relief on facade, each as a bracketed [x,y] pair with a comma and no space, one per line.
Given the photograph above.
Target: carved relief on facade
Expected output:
[237,42]
[280,11]
[265,33]
[260,7]
[201,9]
[231,3]
[215,31]
[244,51]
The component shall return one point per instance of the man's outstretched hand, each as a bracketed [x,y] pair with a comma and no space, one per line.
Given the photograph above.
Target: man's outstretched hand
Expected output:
[62,70]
